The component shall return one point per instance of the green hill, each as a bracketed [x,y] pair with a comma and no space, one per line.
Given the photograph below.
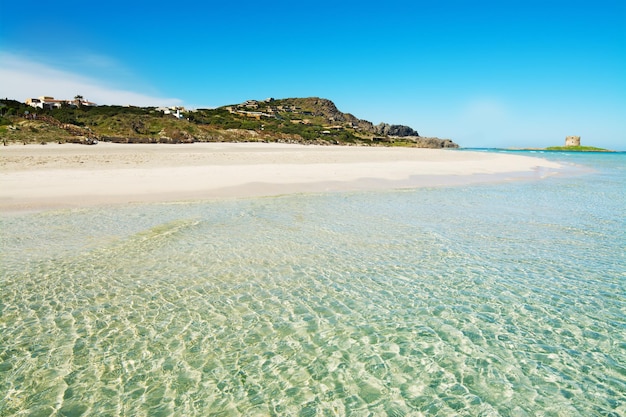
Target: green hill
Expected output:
[295,120]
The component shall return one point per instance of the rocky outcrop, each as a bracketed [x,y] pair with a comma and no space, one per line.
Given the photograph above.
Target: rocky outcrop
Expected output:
[327,109]
[421,142]
[394,130]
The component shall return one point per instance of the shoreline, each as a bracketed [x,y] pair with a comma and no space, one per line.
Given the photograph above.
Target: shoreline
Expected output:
[36,177]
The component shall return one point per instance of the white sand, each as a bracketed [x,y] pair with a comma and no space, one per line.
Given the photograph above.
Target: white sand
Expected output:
[63,176]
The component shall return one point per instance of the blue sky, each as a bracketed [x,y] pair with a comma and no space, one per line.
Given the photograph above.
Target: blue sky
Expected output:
[483,73]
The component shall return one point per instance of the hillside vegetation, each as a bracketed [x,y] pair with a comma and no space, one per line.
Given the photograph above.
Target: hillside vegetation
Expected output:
[297,120]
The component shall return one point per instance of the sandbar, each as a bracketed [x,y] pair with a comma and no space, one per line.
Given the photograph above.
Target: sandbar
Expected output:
[37,177]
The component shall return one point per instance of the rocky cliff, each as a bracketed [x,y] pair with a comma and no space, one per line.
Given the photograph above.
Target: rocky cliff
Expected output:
[327,109]
[381,133]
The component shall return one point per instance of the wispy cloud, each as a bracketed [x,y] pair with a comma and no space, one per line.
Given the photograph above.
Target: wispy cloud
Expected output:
[21,78]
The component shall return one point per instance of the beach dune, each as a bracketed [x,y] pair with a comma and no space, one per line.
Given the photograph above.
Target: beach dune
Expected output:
[36,177]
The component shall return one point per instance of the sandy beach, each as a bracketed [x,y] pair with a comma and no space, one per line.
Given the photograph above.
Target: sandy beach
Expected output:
[35,177]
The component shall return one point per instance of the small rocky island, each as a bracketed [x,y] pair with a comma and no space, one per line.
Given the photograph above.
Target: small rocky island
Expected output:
[572,143]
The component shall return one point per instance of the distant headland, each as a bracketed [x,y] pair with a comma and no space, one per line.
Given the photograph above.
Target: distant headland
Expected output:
[311,120]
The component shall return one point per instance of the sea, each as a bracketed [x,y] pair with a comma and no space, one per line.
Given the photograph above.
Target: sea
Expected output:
[492,299]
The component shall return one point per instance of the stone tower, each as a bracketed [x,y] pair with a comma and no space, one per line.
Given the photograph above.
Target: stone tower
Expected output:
[572,141]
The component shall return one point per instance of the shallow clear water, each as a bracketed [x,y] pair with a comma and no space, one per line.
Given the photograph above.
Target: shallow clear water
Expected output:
[504,299]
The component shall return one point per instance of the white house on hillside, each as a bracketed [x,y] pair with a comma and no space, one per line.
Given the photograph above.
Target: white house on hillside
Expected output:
[47,102]
[174,111]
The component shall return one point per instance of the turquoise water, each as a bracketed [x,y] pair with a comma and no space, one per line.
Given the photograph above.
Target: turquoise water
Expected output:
[483,300]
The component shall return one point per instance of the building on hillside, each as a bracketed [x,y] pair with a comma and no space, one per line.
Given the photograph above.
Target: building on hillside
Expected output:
[172,111]
[81,102]
[47,102]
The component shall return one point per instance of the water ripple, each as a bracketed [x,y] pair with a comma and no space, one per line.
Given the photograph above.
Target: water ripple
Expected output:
[361,304]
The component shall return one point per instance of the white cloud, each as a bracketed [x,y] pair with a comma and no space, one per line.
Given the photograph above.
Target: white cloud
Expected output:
[99,61]
[21,78]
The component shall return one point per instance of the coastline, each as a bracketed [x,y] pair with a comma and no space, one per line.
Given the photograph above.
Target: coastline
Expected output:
[36,177]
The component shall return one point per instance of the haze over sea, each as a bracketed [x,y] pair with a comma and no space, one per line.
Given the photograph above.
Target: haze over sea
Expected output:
[495,299]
